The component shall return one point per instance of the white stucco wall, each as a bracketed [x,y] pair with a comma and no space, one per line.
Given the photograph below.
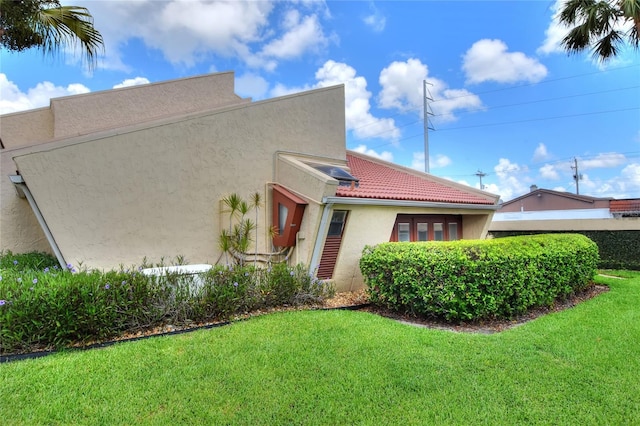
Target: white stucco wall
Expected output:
[153,190]
[371,225]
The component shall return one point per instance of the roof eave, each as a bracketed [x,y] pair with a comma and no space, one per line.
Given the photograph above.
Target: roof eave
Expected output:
[406,203]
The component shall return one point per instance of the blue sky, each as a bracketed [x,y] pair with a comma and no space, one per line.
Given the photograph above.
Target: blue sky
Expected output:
[506,101]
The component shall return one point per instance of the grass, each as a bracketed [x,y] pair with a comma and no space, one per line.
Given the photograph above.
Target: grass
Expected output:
[579,366]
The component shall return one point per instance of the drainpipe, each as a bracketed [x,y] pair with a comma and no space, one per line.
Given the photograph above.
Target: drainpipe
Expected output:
[322,231]
[24,192]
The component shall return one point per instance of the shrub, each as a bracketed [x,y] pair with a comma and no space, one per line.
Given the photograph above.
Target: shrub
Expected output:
[618,249]
[473,280]
[51,307]
[27,261]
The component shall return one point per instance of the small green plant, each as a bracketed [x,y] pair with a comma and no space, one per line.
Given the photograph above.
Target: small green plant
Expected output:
[26,261]
[236,241]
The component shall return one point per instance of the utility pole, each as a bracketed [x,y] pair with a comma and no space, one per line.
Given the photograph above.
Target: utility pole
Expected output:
[427,112]
[480,175]
[577,176]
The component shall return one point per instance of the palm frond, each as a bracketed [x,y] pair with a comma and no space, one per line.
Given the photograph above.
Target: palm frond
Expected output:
[68,25]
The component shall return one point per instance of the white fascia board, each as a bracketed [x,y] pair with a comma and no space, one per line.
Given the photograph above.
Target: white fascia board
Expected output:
[406,203]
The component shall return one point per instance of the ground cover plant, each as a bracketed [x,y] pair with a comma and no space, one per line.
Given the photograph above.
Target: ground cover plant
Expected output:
[473,280]
[43,306]
[578,366]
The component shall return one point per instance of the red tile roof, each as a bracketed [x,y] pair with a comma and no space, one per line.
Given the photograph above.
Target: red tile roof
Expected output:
[624,206]
[380,180]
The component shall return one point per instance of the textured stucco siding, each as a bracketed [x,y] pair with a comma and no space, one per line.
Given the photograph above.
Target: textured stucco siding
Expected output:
[26,128]
[91,112]
[370,225]
[154,190]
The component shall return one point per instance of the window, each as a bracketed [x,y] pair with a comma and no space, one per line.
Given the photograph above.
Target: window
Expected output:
[337,223]
[404,232]
[283,212]
[423,231]
[426,227]
[438,232]
[287,212]
[453,231]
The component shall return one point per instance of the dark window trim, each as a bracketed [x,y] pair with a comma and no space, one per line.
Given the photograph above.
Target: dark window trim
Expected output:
[414,219]
[295,210]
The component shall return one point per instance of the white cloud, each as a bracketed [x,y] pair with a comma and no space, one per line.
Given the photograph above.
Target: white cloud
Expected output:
[358,117]
[384,155]
[437,162]
[357,106]
[489,60]
[187,32]
[402,89]
[12,99]
[554,32]
[132,82]
[417,162]
[251,85]
[301,35]
[376,21]
[549,171]
[512,180]
[604,160]
[630,177]
[541,153]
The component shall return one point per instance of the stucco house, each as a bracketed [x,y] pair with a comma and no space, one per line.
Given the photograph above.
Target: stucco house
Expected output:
[109,178]
[546,210]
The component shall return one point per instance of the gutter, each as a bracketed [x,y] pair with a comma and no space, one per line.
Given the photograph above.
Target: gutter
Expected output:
[322,231]
[24,192]
[405,203]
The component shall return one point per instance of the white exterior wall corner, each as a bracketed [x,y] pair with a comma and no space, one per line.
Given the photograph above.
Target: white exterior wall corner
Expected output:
[312,186]
[370,225]
[303,179]
[153,190]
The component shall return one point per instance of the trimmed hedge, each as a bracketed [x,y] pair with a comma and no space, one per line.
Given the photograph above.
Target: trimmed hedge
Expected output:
[618,249]
[51,307]
[472,280]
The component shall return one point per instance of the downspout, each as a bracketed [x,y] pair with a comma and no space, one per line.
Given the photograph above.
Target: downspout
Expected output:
[24,192]
[322,231]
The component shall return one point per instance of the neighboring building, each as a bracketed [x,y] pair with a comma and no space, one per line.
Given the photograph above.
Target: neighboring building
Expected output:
[109,178]
[543,210]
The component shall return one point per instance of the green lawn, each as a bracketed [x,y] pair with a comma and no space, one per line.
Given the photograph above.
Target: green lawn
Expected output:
[580,366]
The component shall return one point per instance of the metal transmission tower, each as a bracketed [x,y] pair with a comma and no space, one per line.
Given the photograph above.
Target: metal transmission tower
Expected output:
[427,112]
[577,176]
[480,174]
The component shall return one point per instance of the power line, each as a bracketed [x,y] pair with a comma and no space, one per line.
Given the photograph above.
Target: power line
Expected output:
[511,122]
[541,119]
[504,106]
[546,100]
[537,83]
[526,168]
[499,90]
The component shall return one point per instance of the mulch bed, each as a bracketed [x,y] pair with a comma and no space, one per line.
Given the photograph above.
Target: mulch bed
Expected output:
[492,326]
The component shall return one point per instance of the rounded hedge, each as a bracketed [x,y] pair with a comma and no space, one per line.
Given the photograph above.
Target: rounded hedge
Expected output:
[478,279]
